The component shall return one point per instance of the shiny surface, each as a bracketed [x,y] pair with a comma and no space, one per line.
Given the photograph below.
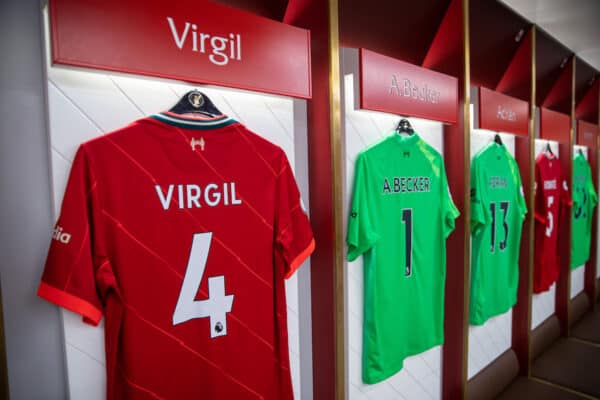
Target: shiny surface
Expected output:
[337,181]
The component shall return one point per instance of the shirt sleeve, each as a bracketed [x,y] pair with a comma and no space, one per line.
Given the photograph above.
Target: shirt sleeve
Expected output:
[591,190]
[480,215]
[68,279]
[449,210]
[521,202]
[565,197]
[294,237]
[541,210]
[361,231]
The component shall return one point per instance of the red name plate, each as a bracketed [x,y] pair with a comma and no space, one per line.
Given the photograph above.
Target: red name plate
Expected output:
[554,125]
[190,40]
[499,112]
[587,134]
[397,87]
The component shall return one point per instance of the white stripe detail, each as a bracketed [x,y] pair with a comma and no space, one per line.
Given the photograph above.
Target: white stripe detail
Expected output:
[194,123]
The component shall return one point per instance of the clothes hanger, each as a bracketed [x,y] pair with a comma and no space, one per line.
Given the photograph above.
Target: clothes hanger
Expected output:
[548,151]
[498,139]
[195,102]
[404,127]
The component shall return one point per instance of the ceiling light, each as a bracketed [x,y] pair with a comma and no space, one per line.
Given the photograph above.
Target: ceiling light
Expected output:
[519,35]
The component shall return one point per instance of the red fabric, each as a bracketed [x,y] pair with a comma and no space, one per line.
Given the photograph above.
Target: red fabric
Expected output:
[73,303]
[551,196]
[117,249]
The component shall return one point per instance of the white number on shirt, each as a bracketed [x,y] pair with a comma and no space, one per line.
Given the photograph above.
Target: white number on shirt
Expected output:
[217,305]
[550,226]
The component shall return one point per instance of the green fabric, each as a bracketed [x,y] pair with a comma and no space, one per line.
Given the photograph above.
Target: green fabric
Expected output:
[584,201]
[495,186]
[401,211]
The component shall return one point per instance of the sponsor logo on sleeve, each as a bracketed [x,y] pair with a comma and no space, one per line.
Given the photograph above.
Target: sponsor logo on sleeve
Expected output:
[60,235]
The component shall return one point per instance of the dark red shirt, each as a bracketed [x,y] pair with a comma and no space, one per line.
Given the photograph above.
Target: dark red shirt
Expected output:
[551,196]
[180,231]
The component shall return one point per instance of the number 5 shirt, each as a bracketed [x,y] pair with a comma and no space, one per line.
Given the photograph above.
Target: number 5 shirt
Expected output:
[497,212]
[551,199]
[401,214]
[180,231]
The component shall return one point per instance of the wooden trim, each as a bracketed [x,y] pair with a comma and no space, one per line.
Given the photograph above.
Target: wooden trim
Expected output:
[566,326]
[335,122]
[323,140]
[457,160]
[532,248]
[563,284]
[525,156]
[467,193]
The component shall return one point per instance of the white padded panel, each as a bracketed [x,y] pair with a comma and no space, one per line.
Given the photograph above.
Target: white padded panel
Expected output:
[543,304]
[578,274]
[577,280]
[577,148]
[540,146]
[421,376]
[490,340]
[65,116]
[60,174]
[84,336]
[87,377]
[136,92]
[86,104]
[99,99]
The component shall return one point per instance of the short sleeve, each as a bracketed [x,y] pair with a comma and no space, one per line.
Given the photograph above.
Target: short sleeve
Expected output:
[565,195]
[361,233]
[521,202]
[479,213]
[591,190]
[541,211]
[69,274]
[449,210]
[294,237]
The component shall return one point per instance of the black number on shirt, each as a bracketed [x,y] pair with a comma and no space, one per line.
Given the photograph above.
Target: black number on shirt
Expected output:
[504,208]
[581,207]
[407,221]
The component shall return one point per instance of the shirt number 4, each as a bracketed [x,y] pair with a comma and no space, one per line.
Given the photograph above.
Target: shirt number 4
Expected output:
[217,305]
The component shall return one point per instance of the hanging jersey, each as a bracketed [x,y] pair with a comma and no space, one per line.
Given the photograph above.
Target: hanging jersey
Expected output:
[497,212]
[584,201]
[180,232]
[551,197]
[401,214]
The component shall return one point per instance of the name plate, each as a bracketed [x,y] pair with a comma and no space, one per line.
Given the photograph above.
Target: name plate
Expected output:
[190,40]
[397,87]
[587,134]
[499,112]
[554,125]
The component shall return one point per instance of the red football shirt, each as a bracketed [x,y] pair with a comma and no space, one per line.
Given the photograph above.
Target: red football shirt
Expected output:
[551,194]
[180,232]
